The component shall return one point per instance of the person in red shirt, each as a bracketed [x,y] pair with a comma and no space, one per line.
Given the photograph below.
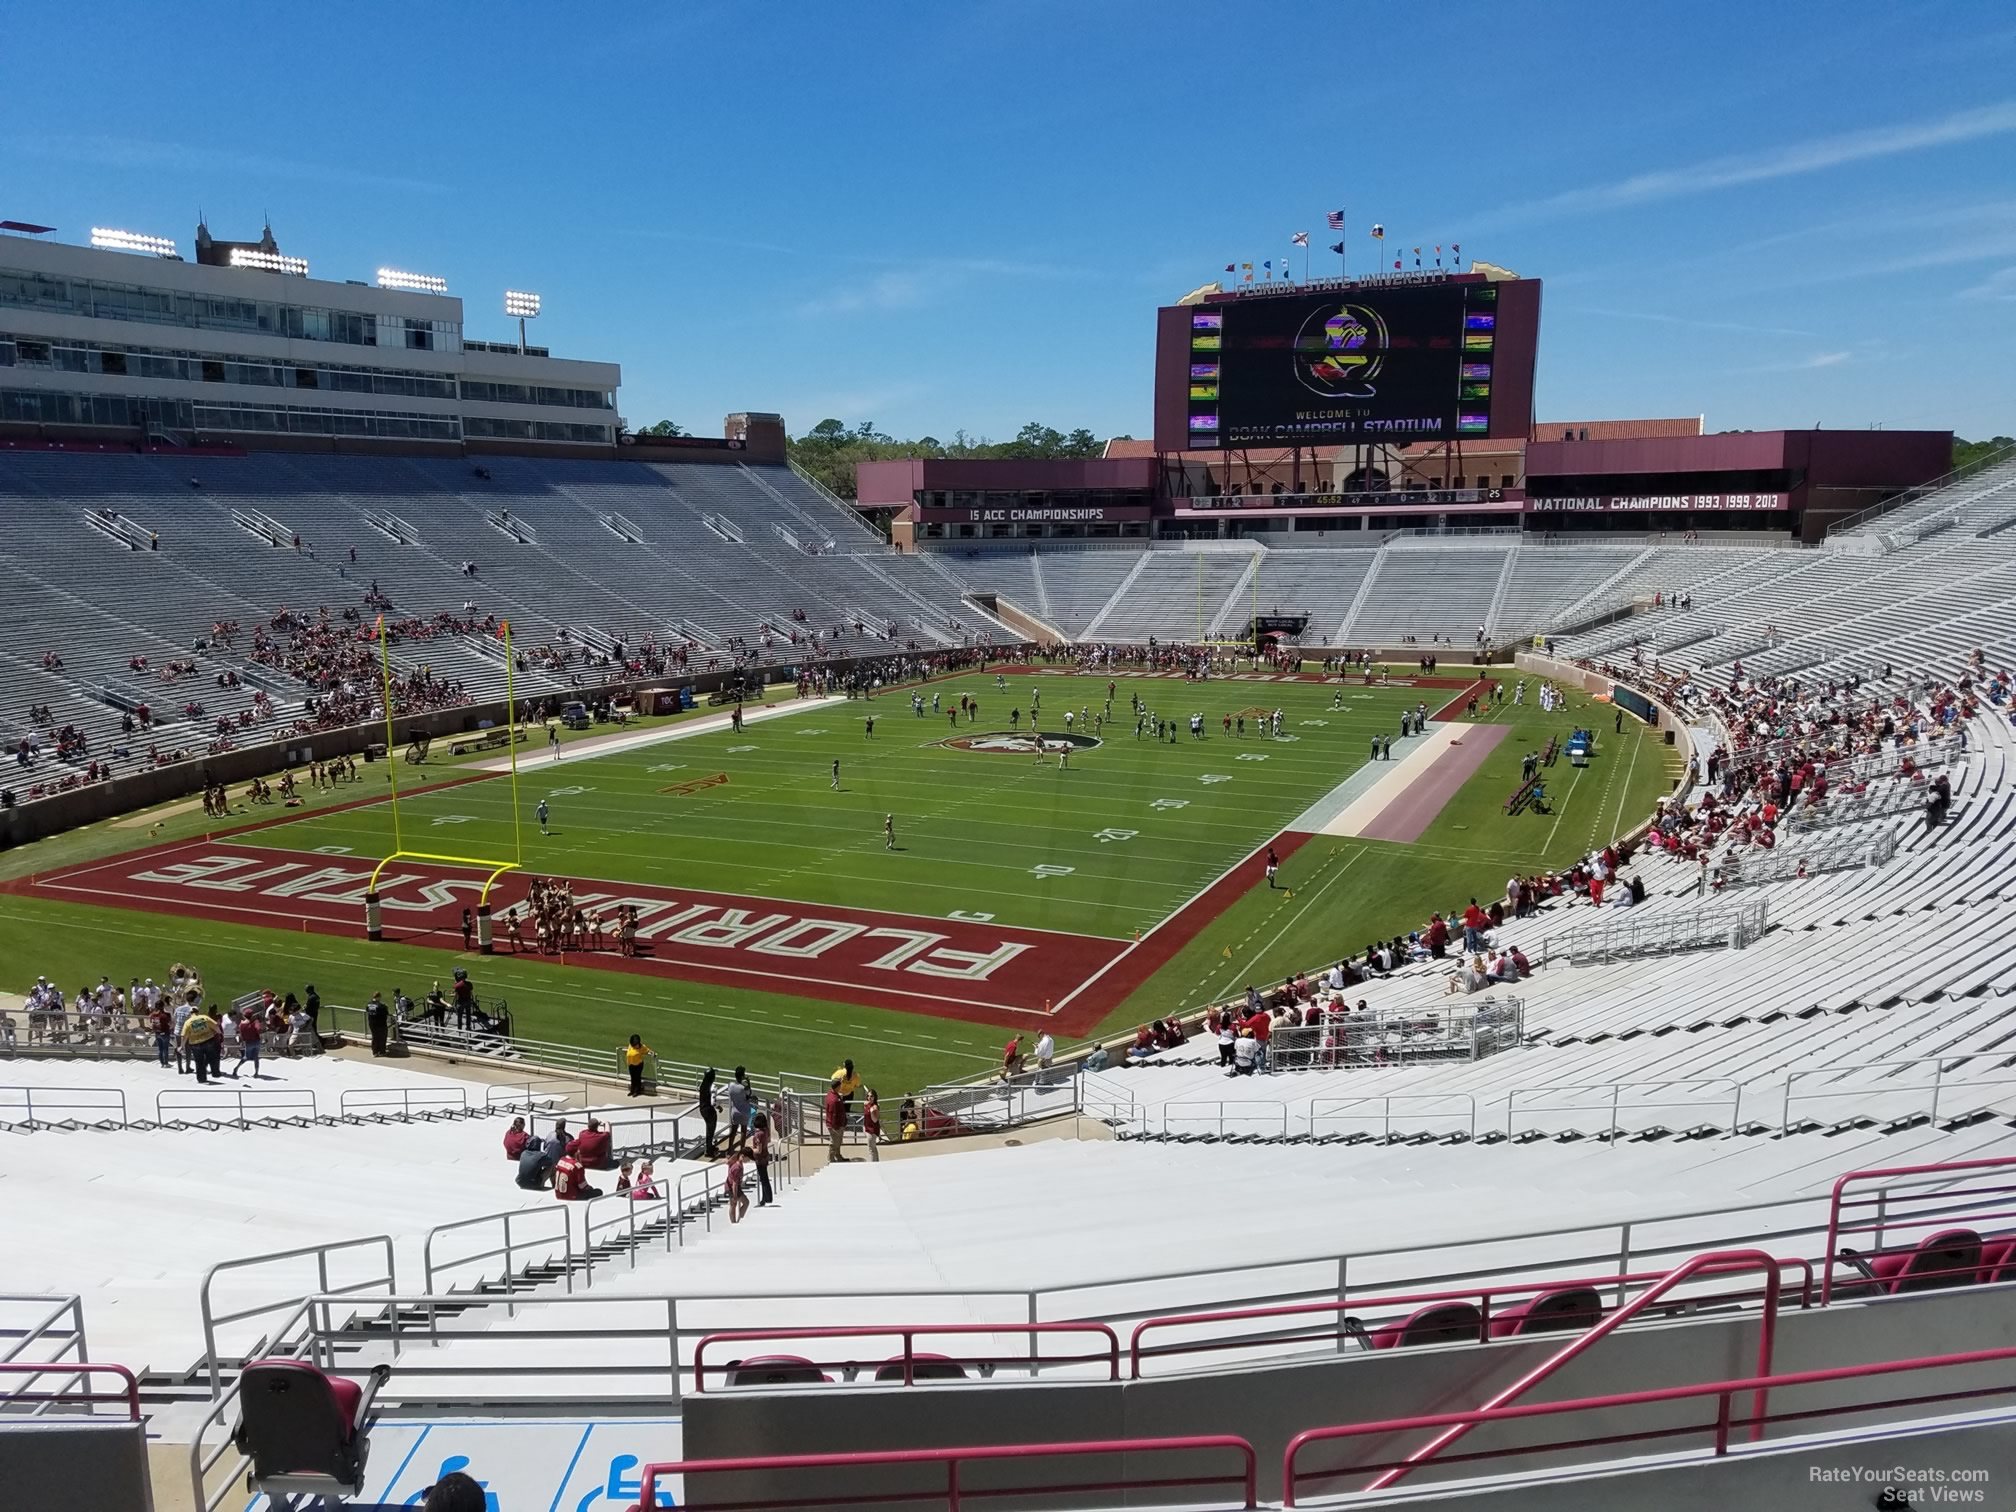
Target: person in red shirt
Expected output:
[515,1139]
[251,1029]
[591,1147]
[1011,1057]
[570,1181]
[162,1023]
[836,1121]
[1438,937]
[1261,1023]
[1474,924]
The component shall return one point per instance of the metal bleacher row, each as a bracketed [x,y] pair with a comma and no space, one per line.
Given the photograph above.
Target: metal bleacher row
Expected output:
[578,555]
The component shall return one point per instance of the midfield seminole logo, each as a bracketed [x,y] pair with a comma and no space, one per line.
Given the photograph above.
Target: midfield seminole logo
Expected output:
[1020,742]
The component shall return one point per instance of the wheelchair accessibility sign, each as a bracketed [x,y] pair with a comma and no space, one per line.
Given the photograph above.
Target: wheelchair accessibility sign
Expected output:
[522,1464]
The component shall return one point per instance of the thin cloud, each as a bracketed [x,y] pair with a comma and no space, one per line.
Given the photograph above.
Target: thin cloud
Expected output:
[1689,322]
[180,157]
[1790,161]
[987,266]
[887,291]
[1804,365]
[2000,284]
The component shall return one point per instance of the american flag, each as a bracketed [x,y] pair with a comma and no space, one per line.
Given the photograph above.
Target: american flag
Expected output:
[1336,220]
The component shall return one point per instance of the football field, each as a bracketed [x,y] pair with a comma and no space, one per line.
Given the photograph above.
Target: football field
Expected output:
[949,884]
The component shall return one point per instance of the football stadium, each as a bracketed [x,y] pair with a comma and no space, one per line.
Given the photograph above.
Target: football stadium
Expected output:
[1371,947]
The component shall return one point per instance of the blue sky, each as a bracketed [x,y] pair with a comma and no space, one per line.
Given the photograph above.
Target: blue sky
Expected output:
[936,216]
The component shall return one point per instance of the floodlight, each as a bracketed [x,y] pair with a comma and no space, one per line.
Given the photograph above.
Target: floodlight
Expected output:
[524,306]
[269,262]
[412,283]
[132,241]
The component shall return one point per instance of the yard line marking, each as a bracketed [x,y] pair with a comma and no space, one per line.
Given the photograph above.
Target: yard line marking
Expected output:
[1317,893]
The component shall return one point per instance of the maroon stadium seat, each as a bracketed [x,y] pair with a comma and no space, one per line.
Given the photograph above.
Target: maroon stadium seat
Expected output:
[302,1429]
[775,1370]
[1951,1257]
[1439,1323]
[923,1367]
[1551,1311]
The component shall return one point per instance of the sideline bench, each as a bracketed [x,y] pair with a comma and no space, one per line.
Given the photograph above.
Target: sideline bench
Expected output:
[484,740]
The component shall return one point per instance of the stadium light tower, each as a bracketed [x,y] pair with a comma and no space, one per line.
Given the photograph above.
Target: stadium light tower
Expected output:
[412,283]
[269,262]
[525,307]
[133,241]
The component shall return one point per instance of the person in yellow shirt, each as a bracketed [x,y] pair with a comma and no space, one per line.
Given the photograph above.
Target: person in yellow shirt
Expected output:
[848,1081]
[633,1059]
[201,1038]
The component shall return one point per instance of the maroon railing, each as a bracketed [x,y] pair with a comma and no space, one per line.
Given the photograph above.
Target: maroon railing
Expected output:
[1109,1355]
[1715,1260]
[130,1394]
[1843,1208]
[1482,1296]
[1722,1426]
[952,1495]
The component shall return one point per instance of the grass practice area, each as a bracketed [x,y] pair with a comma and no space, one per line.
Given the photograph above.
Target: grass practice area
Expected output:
[966,886]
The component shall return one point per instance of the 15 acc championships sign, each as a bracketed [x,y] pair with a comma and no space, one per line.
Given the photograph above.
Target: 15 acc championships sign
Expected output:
[1040,514]
[1654,503]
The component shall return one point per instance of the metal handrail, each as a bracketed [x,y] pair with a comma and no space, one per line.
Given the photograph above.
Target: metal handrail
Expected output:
[405,1098]
[1222,1104]
[952,1459]
[75,1370]
[271,1099]
[1836,1200]
[507,1250]
[1333,1105]
[45,1327]
[1616,1090]
[1714,1260]
[1481,1295]
[212,1321]
[1937,1062]
[62,1097]
[908,1333]
[1759,1386]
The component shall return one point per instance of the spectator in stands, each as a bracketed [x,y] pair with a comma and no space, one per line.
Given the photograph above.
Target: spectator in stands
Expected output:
[1099,1059]
[379,1018]
[731,1186]
[515,1139]
[311,1002]
[534,1166]
[738,1108]
[570,1180]
[591,1146]
[1046,1052]
[645,1187]
[200,1040]
[1245,1053]
[836,1121]
[759,1151]
[1474,924]
[708,1116]
[251,1031]
[906,1119]
[456,1492]
[871,1125]
[161,1023]
[633,1062]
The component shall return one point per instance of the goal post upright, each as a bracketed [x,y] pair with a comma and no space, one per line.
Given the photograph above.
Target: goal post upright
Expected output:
[489,866]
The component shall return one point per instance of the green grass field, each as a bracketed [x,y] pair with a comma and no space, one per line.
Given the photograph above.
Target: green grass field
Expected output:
[1112,845]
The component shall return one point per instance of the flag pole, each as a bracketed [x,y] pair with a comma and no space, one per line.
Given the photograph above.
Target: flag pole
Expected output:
[1343,242]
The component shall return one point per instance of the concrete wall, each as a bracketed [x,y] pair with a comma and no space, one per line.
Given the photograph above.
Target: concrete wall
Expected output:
[1268,1404]
[59,1465]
